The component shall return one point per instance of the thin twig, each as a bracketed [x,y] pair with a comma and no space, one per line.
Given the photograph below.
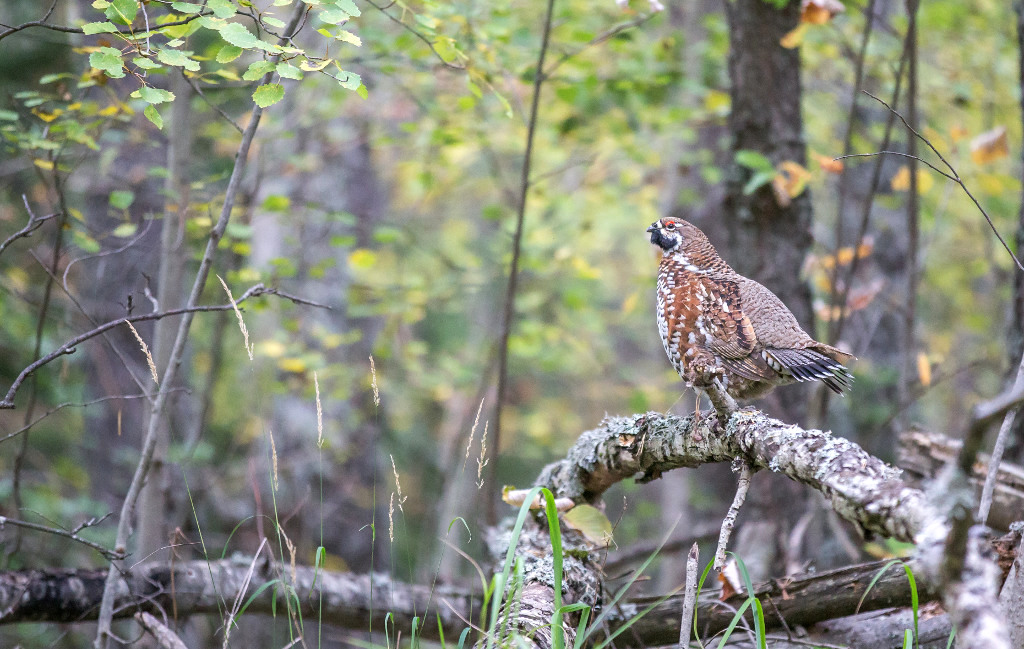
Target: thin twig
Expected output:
[989,488]
[220,111]
[689,596]
[81,309]
[73,535]
[69,346]
[33,224]
[742,486]
[71,404]
[597,40]
[901,154]
[956,178]
[78,30]
[124,523]
[427,41]
[513,273]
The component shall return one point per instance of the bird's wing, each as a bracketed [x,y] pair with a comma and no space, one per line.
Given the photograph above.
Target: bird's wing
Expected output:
[732,335]
[789,349]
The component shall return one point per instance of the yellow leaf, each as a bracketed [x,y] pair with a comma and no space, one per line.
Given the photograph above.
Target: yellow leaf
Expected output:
[362,259]
[110,110]
[924,369]
[296,365]
[45,116]
[901,180]
[271,348]
[957,133]
[629,304]
[990,146]
[790,182]
[43,164]
[794,38]
[717,101]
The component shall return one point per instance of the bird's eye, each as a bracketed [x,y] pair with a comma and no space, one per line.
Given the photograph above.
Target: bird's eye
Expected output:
[670,225]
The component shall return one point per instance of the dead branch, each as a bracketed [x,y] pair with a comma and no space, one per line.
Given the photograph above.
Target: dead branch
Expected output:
[69,346]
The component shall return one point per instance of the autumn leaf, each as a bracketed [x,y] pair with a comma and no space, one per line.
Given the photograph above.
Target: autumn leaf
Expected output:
[819,12]
[789,182]
[829,165]
[990,146]
[901,180]
[795,37]
[924,369]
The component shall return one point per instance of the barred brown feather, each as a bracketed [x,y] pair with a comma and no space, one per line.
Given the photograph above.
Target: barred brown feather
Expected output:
[717,325]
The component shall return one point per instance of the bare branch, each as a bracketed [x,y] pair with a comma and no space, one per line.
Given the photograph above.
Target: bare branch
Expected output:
[69,346]
[33,224]
[955,177]
[73,535]
[742,486]
[996,457]
[689,596]
[508,310]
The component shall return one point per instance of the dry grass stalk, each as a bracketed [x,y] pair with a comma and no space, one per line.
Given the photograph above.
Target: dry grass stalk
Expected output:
[145,350]
[482,461]
[319,414]
[373,382]
[472,433]
[273,456]
[398,484]
[241,323]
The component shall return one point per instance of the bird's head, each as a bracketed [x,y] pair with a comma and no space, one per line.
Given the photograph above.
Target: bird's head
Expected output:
[672,234]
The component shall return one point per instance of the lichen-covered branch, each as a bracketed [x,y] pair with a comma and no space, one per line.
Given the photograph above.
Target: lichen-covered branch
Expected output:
[860,488]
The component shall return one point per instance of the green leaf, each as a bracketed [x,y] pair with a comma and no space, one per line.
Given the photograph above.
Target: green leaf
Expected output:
[154,95]
[348,6]
[186,7]
[334,16]
[153,115]
[237,34]
[268,94]
[351,81]
[104,27]
[591,523]
[178,59]
[754,161]
[50,78]
[222,8]
[757,181]
[289,71]
[122,11]
[125,230]
[109,61]
[257,70]
[228,53]
[273,22]
[348,37]
[145,64]
[122,199]
[8,115]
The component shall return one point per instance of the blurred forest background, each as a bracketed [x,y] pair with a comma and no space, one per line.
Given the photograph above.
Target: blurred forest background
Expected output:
[386,183]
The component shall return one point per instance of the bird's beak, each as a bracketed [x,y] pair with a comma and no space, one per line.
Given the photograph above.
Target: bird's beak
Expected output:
[653,228]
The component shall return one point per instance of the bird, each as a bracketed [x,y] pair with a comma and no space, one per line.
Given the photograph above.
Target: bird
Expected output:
[719,327]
